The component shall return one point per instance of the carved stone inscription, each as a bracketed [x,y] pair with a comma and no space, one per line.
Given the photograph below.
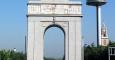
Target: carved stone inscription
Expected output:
[54,9]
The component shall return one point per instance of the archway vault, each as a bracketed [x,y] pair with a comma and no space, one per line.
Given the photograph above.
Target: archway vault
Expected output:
[63,25]
[58,25]
[54,25]
[54,42]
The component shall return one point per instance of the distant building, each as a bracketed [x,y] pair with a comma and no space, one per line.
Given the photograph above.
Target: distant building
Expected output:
[104,36]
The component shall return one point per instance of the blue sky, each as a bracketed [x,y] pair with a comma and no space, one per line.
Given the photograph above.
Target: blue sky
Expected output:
[13,24]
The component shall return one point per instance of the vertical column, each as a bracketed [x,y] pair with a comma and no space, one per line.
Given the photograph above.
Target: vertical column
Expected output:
[30,46]
[99,42]
[75,38]
[78,40]
[38,50]
[66,42]
[72,39]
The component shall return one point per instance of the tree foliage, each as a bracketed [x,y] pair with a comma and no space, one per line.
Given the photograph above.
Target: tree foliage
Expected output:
[11,55]
[91,52]
[49,58]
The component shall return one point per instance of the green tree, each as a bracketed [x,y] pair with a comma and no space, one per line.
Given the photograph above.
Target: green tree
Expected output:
[11,55]
[91,52]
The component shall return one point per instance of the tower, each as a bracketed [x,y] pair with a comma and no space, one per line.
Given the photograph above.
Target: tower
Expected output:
[97,4]
[104,36]
[64,14]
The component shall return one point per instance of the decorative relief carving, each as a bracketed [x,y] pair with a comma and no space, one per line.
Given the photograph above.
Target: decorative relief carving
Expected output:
[54,9]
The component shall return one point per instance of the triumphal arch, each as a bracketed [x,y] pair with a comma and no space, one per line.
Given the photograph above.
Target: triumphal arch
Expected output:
[64,14]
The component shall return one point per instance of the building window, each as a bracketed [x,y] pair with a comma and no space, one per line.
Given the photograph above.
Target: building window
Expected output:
[105,34]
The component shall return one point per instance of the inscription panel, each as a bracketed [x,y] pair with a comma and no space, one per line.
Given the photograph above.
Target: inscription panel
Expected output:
[54,9]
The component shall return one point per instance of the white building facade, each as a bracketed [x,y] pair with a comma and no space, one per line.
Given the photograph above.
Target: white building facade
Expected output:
[104,36]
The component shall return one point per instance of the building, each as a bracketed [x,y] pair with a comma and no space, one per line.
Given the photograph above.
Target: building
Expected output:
[104,36]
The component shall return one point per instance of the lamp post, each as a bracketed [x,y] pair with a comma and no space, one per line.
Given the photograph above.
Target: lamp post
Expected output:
[97,4]
[25,47]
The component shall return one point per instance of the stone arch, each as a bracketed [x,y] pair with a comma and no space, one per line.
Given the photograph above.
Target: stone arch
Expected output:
[54,25]
[47,13]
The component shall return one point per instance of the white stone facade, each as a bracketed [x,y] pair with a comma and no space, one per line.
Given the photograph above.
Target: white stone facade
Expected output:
[70,23]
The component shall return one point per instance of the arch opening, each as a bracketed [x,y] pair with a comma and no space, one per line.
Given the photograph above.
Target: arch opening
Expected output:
[54,43]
